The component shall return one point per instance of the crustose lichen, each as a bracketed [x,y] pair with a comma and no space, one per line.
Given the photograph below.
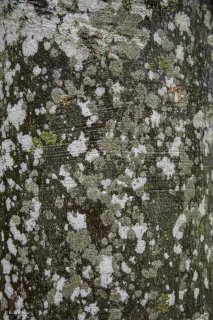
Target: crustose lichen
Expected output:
[163,306]
[46,139]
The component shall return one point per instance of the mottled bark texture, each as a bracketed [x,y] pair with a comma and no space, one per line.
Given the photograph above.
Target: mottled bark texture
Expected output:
[106,159]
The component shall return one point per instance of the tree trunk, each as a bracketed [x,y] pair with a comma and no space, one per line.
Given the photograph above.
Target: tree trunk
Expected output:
[106,159]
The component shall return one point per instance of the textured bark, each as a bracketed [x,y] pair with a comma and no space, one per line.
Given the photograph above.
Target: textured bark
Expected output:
[106,159]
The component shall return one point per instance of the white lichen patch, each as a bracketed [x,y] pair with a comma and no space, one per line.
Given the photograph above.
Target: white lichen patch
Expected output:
[167,166]
[196,293]
[118,200]
[153,75]
[178,248]
[129,172]
[171,26]
[29,46]
[207,139]
[202,207]
[106,183]
[207,19]
[82,316]
[19,305]
[36,70]
[11,247]
[78,292]
[166,256]
[59,284]
[68,182]
[139,232]
[206,283]
[6,161]
[174,149]
[155,119]
[182,21]
[2,41]
[195,276]
[123,294]
[181,221]
[210,40]
[169,82]
[87,272]
[117,89]
[9,75]
[39,111]
[92,155]
[68,39]
[199,120]
[7,267]
[78,146]
[25,141]
[38,152]
[139,150]
[2,186]
[93,119]
[99,91]
[180,52]
[8,289]
[106,270]
[34,30]
[34,214]
[16,114]
[157,38]
[123,230]
[145,196]
[125,268]
[138,183]
[84,108]
[77,221]
[145,300]
[171,298]
[161,137]
[92,309]
[52,109]
[17,235]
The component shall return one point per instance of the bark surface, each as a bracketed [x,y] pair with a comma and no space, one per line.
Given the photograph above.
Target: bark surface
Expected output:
[106,173]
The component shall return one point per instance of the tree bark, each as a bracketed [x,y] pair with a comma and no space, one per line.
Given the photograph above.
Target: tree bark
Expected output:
[106,159]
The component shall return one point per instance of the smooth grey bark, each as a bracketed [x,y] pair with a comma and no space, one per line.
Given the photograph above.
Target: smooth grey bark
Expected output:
[106,159]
